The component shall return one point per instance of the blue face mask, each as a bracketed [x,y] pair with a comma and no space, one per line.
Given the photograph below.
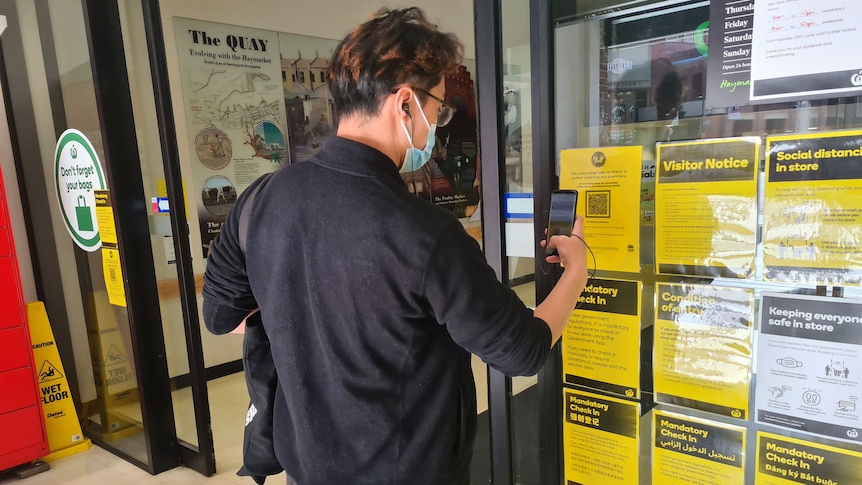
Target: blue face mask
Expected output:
[415,158]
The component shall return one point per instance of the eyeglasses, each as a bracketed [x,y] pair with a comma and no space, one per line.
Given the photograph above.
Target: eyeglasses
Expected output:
[445,112]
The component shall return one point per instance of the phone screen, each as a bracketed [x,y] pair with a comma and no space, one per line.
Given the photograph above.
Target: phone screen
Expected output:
[562,217]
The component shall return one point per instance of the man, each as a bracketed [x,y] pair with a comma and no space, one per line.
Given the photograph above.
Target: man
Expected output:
[372,298]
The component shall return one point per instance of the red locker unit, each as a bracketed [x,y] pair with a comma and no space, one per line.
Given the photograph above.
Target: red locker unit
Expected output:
[23,437]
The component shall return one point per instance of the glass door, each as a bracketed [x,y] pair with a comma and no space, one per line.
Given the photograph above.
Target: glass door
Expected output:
[165,206]
[102,260]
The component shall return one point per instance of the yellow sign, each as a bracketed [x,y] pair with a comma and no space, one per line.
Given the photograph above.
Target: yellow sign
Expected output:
[812,215]
[61,419]
[647,200]
[105,217]
[702,350]
[113,370]
[113,272]
[607,180]
[706,207]
[601,344]
[690,451]
[600,439]
[787,461]
[162,191]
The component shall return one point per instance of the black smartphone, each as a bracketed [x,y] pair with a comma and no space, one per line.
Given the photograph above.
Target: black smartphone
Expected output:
[562,216]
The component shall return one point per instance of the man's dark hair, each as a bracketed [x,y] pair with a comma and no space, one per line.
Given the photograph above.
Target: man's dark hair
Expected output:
[391,49]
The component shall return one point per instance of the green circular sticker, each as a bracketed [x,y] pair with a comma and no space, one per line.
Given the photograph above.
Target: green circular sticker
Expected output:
[700,41]
[77,173]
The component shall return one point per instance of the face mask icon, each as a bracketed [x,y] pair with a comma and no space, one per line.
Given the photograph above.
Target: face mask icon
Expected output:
[789,362]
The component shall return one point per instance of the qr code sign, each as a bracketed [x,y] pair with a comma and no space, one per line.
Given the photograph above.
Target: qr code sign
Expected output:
[598,203]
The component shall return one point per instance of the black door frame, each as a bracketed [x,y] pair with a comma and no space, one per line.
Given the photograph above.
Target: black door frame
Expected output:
[202,456]
[113,97]
[123,169]
[545,180]
[490,86]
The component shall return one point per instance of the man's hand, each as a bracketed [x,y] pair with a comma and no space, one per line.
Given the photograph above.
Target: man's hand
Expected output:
[572,251]
[557,307]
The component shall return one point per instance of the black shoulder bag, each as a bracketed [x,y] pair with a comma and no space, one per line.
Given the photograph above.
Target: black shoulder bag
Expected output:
[258,453]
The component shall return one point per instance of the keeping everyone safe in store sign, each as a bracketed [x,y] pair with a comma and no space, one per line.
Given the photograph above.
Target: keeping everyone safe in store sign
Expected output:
[706,207]
[812,214]
[691,451]
[809,365]
[702,350]
[600,439]
[607,179]
[787,461]
[601,345]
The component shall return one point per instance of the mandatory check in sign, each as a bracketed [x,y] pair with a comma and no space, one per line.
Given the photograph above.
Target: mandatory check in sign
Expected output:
[600,438]
[601,343]
[784,461]
[688,450]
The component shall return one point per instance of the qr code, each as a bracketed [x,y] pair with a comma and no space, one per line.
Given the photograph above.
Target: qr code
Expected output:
[598,203]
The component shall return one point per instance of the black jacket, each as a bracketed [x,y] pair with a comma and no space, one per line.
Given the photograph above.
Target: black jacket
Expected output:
[372,300]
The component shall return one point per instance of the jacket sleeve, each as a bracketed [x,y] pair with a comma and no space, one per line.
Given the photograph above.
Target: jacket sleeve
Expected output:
[227,295]
[481,314]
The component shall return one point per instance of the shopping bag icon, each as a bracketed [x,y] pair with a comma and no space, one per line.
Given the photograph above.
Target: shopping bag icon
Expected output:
[83,215]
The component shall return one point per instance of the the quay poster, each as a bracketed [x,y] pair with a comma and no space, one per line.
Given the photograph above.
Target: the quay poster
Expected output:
[805,49]
[812,215]
[809,365]
[235,113]
[310,117]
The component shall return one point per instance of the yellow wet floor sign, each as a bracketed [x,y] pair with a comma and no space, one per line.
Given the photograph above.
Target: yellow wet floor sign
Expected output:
[61,420]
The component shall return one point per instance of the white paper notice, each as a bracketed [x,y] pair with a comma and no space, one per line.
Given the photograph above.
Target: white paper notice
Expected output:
[805,48]
[809,365]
